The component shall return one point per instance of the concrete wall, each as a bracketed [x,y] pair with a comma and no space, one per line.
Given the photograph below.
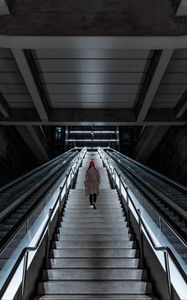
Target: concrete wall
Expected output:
[170,157]
[15,158]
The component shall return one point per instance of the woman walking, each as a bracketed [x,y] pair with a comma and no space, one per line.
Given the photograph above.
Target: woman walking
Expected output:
[92,181]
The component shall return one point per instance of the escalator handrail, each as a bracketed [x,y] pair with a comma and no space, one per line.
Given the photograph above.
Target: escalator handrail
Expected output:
[35,247]
[19,179]
[159,175]
[29,190]
[156,248]
[158,212]
[14,231]
[176,207]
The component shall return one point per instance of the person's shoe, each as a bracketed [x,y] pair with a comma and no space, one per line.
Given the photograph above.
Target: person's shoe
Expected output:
[91,206]
[94,206]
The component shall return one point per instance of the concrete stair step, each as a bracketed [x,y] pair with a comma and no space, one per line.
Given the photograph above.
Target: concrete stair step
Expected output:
[64,230]
[94,213]
[95,245]
[98,263]
[108,225]
[93,237]
[107,219]
[96,297]
[100,207]
[94,274]
[95,287]
[105,197]
[86,204]
[103,200]
[97,253]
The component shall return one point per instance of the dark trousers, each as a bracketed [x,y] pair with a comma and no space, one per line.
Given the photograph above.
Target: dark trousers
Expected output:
[93,198]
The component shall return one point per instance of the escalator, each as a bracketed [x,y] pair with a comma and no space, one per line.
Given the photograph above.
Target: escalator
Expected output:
[23,197]
[166,196]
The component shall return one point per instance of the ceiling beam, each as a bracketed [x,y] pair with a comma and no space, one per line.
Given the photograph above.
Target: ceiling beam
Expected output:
[155,117]
[4,108]
[182,8]
[30,82]
[181,106]
[75,42]
[154,76]
[4,10]
[148,141]
[35,141]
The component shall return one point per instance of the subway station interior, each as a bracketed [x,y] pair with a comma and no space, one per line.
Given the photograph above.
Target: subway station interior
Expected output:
[102,81]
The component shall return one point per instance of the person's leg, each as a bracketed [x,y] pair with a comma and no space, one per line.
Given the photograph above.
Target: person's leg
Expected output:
[95,198]
[90,196]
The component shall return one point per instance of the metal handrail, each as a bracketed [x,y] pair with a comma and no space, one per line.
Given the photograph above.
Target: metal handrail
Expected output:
[167,251]
[32,171]
[26,250]
[183,241]
[152,171]
[165,220]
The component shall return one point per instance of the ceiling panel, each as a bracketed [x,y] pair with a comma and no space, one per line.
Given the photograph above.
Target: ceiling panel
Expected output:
[92,98]
[180,54]
[163,105]
[11,78]
[97,78]
[167,98]
[92,105]
[19,100]
[92,53]
[92,78]
[20,105]
[13,88]
[91,65]
[171,89]
[91,88]
[174,81]
[8,65]
[177,65]
[174,78]
[12,85]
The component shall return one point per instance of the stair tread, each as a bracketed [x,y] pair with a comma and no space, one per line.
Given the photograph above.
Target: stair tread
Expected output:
[94,274]
[94,263]
[96,297]
[95,287]
[95,244]
[76,252]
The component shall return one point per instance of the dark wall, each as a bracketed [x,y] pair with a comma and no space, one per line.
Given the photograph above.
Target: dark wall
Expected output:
[55,142]
[15,157]
[170,157]
[128,137]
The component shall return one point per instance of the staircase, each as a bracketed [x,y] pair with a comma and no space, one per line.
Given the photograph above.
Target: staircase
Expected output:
[94,255]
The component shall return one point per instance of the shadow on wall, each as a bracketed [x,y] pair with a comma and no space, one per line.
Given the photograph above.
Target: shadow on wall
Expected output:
[170,157]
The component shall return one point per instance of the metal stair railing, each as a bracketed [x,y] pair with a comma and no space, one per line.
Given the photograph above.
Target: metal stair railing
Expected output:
[179,211]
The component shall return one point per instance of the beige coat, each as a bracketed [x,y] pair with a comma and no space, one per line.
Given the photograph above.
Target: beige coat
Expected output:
[92,181]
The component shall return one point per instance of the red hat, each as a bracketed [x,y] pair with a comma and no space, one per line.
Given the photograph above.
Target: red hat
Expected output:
[91,165]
